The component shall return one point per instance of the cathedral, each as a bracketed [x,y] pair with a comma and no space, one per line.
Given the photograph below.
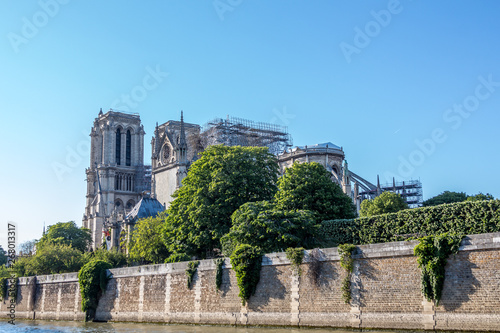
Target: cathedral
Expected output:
[121,189]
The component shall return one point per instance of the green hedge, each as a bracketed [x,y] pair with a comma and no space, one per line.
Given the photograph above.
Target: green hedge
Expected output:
[470,217]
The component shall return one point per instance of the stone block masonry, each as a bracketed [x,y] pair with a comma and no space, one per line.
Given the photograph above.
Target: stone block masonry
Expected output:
[385,289]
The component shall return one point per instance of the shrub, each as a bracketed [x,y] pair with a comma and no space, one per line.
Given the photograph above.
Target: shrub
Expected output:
[469,217]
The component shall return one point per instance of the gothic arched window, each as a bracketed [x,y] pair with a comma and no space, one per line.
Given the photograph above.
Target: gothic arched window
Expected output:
[118,145]
[128,149]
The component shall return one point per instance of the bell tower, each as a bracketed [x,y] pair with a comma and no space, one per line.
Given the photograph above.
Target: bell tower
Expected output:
[116,176]
[175,146]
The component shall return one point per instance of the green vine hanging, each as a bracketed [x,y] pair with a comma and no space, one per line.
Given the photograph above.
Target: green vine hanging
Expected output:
[190,270]
[93,279]
[219,263]
[347,263]
[3,288]
[432,253]
[246,261]
[295,255]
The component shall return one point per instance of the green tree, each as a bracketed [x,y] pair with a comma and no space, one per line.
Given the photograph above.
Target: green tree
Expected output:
[28,247]
[4,272]
[260,224]
[308,186]
[217,184]
[387,202]
[3,256]
[480,196]
[50,259]
[445,197]
[147,244]
[66,233]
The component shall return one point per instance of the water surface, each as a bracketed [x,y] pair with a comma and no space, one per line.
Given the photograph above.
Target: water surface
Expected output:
[42,326]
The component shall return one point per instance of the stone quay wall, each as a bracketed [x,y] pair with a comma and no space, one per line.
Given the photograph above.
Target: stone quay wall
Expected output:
[385,288]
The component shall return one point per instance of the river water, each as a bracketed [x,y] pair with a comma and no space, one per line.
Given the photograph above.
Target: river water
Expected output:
[41,326]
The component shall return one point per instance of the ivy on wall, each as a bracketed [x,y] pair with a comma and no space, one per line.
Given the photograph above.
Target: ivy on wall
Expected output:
[219,263]
[93,279]
[347,263]
[246,261]
[314,270]
[13,288]
[432,253]
[190,271]
[295,255]
[3,288]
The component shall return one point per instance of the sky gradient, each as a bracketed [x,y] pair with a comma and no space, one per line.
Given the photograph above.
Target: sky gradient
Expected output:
[409,89]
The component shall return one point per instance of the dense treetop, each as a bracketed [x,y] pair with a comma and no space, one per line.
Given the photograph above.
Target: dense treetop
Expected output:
[218,183]
[308,186]
[387,202]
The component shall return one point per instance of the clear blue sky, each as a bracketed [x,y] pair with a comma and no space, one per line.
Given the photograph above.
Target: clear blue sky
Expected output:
[375,77]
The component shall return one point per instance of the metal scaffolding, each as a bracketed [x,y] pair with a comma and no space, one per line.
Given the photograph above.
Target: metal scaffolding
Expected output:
[410,190]
[241,132]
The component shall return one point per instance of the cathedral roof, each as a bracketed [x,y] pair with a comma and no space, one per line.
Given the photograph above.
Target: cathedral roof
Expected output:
[146,207]
[328,145]
[321,145]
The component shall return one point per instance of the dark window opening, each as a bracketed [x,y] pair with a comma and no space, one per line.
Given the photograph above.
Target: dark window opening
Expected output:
[129,148]
[118,145]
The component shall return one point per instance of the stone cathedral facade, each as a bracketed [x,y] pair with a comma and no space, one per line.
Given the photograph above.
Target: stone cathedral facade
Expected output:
[121,189]
[116,175]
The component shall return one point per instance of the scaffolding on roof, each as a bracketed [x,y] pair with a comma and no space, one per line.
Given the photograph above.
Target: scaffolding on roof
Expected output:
[234,131]
[410,191]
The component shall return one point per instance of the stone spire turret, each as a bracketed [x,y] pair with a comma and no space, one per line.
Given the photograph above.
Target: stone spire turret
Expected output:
[182,142]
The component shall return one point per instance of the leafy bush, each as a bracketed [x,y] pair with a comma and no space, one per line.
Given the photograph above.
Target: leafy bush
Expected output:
[469,217]
[93,280]
[246,261]
[432,253]
[261,224]
[190,271]
[295,255]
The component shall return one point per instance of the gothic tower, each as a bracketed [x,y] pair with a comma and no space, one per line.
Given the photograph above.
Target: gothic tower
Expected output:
[175,146]
[116,176]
